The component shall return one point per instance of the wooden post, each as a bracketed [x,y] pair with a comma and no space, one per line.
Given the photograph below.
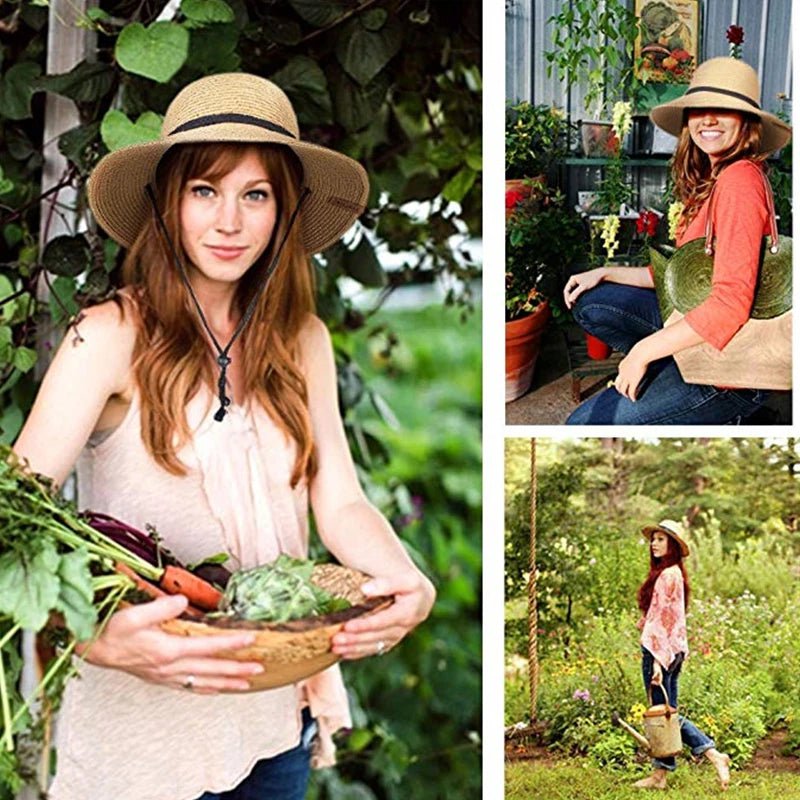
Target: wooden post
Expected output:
[67,45]
[533,622]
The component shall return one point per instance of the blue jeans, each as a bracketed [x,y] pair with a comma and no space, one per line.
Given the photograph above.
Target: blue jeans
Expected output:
[622,315]
[282,777]
[691,736]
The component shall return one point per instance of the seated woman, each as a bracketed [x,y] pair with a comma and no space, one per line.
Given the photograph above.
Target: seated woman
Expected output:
[724,140]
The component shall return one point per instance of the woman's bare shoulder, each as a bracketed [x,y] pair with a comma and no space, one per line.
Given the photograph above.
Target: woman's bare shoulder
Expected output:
[313,339]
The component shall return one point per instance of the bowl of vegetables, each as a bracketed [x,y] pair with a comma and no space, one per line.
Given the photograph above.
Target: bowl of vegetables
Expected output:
[294,607]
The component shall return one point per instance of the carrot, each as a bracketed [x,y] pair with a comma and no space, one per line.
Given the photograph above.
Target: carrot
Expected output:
[202,594]
[151,590]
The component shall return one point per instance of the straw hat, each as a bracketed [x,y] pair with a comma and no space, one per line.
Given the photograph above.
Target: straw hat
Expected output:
[724,83]
[230,107]
[672,529]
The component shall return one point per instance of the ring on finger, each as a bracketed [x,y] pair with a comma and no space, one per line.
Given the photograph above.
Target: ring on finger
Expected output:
[380,648]
[188,683]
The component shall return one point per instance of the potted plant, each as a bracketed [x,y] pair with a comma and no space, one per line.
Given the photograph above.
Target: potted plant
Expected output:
[538,137]
[590,39]
[542,239]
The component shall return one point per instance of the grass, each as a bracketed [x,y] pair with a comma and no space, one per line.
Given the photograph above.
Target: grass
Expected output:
[577,780]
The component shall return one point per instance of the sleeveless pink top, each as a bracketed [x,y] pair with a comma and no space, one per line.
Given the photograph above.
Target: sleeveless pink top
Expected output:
[119,736]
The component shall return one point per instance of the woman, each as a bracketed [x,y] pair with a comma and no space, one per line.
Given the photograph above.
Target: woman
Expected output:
[219,446]
[723,140]
[663,598]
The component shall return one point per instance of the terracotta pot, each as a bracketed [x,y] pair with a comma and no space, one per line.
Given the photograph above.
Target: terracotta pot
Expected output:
[596,348]
[598,140]
[523,340]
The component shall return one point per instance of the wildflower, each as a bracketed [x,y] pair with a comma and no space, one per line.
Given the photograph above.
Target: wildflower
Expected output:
[582,694]
[674,214]
[608,233]
[621,118]
[735,35]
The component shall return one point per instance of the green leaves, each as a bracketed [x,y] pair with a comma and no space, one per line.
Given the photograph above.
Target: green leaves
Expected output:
[307,87]
[117,131]
[206,12]
[156,52]
[317,12]
[17,88]
[76,596]
[29,586]
[6,185]
[367,45]
[84,83]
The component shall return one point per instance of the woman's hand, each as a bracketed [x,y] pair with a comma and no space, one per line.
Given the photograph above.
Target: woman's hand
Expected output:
[631,371]
[133,642]
[580,283]
[375,634]
[658,676]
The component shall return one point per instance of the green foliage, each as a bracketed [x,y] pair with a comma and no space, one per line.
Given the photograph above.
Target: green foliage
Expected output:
[543,238]
[590,39]
[417,711]
[537,138]
[744,615]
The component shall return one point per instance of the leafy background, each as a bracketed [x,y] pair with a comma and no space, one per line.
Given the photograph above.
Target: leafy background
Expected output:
[740,501]
[397,85]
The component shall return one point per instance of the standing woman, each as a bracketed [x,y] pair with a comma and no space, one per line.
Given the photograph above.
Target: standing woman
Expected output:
[203,401]
[663,598]
[724,138]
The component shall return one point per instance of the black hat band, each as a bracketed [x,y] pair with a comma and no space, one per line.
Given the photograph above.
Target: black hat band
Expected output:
[244,119]
[729,92]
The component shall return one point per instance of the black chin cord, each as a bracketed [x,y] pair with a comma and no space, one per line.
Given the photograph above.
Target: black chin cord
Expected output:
[223,359]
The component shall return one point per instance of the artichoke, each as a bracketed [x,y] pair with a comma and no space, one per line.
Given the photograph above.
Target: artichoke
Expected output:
[277,592]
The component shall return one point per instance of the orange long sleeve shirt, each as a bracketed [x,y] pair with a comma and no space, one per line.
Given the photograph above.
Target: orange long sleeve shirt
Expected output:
[741,220]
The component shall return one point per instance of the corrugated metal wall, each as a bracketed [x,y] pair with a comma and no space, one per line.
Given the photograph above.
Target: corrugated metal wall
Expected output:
[767,47]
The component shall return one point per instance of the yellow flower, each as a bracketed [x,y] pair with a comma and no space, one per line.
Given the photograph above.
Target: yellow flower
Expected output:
[621,119]
[674,217]
[608,233]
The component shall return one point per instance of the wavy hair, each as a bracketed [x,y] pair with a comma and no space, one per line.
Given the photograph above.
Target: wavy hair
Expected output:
[657,565]
[692,173]
[172,356]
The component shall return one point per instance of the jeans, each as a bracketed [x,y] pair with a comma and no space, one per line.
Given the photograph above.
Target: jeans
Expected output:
[622,315]
[691,736]
[282,777]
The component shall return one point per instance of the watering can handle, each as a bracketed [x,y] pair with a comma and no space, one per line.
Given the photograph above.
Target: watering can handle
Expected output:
[664,692]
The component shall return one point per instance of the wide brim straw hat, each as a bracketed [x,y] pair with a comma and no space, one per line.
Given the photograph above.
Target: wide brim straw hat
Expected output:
[671,528]
[724,83]
[230,107]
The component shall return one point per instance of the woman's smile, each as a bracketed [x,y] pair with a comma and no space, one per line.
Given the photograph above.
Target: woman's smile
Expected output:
[715,132]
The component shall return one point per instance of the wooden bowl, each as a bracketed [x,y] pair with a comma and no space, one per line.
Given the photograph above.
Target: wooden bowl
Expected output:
[295,650]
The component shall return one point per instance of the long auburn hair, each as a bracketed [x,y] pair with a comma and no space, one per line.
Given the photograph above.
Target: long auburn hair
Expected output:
[692,173]
[657,566]
[172,357]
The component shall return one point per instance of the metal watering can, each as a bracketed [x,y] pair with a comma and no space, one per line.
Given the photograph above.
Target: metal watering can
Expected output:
[662,729]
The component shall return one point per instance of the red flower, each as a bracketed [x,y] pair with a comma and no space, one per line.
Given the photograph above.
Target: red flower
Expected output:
[513,196]
[735,34]
[647,223]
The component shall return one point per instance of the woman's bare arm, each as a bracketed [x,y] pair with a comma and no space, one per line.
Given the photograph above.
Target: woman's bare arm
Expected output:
[349,525]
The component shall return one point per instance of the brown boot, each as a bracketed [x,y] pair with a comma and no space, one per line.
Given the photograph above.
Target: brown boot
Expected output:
[722,764]
[658,780]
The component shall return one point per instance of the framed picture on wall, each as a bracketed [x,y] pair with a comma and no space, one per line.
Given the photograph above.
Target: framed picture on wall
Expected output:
[668,45]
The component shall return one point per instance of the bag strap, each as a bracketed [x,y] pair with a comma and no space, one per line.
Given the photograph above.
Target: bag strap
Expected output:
[773,220]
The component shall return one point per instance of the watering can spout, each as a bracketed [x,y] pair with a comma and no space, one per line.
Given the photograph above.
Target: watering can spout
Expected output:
[617,720]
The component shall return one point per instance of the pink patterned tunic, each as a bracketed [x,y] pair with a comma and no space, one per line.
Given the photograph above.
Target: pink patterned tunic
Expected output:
[664,631]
